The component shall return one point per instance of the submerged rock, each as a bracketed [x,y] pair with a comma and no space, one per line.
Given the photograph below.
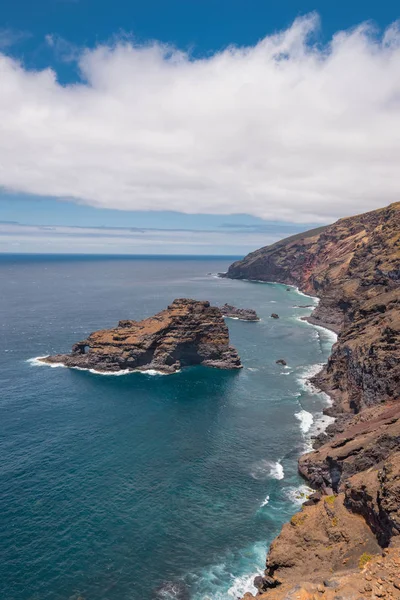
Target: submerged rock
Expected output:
[274,316]
[244,314]
[188,332]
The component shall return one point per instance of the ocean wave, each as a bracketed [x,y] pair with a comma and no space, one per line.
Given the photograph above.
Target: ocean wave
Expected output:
[264,502]
[37,362]
[241,585]
[152,372]
[306,373]
[232,577]
[306,420]
[298,495]
[328,334]
[304,380]
[265,469]
[314,298]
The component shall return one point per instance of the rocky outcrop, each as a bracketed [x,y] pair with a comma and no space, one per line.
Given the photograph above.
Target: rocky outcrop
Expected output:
[353,266]
[188,332]
[243,314]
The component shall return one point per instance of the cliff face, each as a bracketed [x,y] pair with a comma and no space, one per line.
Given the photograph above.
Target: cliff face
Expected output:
[188,332]
[353,266]
[333,546]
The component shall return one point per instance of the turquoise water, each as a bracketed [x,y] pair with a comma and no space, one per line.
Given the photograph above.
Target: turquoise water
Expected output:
[124,487]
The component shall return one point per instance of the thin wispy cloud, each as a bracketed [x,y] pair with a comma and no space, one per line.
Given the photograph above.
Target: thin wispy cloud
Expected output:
[10,37]
[285,129]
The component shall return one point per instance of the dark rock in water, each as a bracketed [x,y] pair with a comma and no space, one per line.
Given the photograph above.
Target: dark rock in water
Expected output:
[265,583]
[275,316]
[313,499]
[244,314]
[173,590]
[281,361]
[288,289]
[188,332]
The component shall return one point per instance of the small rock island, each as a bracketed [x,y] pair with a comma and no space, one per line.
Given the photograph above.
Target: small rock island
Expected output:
[244,314]
[188,332]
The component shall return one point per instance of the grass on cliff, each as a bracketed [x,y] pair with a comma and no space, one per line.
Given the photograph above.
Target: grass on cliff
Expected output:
[364,559]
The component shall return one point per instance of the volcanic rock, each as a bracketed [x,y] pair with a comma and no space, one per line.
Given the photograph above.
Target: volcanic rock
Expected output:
[281,361]
[188,332]
[244,314]
[274,316]
[353,266]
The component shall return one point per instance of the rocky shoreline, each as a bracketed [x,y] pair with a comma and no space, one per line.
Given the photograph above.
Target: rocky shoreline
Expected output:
[345,542]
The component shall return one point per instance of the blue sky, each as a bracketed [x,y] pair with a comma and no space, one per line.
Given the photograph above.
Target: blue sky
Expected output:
[247,120]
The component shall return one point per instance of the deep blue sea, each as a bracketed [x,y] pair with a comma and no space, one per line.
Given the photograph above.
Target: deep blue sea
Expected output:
[146,486]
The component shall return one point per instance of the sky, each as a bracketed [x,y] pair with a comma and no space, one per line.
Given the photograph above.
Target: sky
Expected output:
[193,126]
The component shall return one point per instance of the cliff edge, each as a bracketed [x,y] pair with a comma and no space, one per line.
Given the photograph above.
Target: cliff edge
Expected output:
[345,542]
[188,332]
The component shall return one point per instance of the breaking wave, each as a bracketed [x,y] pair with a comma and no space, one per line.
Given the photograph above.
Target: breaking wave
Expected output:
[306,420]
[265,469]
[39,363]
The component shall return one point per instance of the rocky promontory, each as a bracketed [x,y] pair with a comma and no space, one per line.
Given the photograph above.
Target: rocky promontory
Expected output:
[188,332]
[243,314]
[345,542]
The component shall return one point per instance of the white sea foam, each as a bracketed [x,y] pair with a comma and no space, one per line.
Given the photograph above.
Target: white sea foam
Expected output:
[37,362]
[264,502]
[152,372]
[328,334]
[241,585]
[305,375]
[221,581]
[298,495]
[306,420]
[321,422]
[265,469]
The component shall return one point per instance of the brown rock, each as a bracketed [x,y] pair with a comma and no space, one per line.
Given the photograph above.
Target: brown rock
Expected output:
[188,332]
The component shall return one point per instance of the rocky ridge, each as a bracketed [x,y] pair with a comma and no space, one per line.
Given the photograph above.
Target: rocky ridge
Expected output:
[345,542]
[188,332]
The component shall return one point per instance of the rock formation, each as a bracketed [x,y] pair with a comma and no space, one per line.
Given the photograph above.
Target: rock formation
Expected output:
[345,542]
[244,314]
[188,332]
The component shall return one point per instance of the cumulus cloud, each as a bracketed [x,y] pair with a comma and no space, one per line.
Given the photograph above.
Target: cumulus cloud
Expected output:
[286,129]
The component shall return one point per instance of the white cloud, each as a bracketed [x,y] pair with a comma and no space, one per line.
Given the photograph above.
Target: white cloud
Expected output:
[282,130]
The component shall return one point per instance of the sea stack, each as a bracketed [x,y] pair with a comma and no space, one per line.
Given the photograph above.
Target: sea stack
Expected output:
[188,332]
[243,314]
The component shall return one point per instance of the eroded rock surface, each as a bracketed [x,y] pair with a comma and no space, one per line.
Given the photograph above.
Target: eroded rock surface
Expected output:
[188,332]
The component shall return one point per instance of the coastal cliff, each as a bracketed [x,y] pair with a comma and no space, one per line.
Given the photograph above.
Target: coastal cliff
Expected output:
[188,332]
[345,542]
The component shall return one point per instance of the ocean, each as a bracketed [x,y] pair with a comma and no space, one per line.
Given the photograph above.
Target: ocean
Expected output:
[140,485]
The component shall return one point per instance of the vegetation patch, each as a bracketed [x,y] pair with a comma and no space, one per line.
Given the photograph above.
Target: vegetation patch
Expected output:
[298,519]
[364,559]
